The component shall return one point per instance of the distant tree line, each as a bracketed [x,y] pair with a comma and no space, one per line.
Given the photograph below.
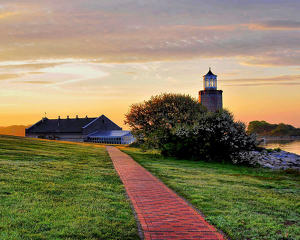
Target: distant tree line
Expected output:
[180,126]
[265,128]
[16,130]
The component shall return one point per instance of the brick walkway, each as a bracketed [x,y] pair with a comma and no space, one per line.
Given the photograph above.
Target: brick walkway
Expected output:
[162,214]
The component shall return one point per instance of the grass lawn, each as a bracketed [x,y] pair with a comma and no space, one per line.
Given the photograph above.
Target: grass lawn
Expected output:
[55,190]
[245,203]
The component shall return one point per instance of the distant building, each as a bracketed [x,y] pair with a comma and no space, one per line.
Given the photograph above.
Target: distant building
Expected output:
[101,130]
[210,97]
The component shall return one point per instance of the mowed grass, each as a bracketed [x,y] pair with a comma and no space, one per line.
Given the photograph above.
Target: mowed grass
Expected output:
[54,190]
[245,203]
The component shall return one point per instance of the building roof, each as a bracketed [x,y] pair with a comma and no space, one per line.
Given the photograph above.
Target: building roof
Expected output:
[60,125]
[209,73]
[113,133]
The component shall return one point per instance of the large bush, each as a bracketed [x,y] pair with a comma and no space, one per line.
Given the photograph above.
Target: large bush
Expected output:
[180,126]
[214,137]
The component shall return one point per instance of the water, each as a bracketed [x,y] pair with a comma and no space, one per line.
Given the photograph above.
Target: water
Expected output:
[292,146]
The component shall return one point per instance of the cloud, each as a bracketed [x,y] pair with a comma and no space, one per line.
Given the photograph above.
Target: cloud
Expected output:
[35,82]
[147,31]
[130,73]
[277,80]
[6,76]
[35,73]
[276,25]
[25,66]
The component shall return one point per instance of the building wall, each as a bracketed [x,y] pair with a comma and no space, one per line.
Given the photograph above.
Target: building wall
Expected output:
[72,137]
[212,99]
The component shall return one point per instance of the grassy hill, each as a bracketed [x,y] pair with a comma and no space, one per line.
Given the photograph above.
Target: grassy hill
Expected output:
[246,203]
[54,190]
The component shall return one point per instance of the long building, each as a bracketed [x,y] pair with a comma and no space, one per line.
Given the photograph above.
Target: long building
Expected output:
[100,130]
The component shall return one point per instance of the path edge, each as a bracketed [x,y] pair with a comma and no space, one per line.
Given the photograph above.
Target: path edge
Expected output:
[138,223]
[187,201]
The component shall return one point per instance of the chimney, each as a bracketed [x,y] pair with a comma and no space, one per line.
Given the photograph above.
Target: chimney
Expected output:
[68,117]
[76,116]
[58,117]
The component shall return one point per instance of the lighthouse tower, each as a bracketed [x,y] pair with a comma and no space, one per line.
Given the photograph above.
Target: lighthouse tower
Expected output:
[210,97]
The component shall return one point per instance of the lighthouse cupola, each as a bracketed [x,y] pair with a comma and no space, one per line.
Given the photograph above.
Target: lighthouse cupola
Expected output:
[210,97]
[210,81]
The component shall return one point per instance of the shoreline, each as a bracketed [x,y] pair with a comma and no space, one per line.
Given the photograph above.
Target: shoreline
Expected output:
[260,137]
[279,160]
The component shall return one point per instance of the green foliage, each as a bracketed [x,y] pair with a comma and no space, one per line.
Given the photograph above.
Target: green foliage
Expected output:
[260,127]
[281,129]
[245,203]
[153,120]
[55,190]
[214,137]
[181,127]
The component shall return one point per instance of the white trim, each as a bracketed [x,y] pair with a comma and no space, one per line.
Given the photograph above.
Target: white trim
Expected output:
[92,121]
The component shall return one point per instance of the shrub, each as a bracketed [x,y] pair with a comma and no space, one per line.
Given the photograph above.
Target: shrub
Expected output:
[214,137]
[181,127]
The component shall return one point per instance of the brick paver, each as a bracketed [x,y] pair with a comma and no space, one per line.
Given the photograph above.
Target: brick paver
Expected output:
[161,212]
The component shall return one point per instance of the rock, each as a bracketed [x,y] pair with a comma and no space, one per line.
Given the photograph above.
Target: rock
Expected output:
[279,160]
[268,165]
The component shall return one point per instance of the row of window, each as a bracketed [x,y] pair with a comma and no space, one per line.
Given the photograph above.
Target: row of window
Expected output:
[211,83]
[105,139]
[107,142]
[112,140]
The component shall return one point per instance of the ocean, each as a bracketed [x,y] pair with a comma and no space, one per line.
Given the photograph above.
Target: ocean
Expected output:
[292,146]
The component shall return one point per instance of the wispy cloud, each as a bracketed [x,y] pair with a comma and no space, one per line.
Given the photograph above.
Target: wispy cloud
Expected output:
[277,80]
[34,82]
[145,31]
[130,73]
[276,25]
[6,76]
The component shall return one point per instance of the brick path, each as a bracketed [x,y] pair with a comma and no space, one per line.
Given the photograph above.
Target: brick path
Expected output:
[162,214]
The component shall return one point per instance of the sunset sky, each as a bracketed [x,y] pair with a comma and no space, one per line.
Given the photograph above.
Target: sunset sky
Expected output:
[93,57]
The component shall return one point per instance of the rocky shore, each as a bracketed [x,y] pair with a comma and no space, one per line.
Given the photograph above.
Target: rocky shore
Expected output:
[279,160]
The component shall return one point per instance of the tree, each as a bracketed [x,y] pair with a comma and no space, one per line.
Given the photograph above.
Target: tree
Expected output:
[153,120]
[281,129]
[261,127]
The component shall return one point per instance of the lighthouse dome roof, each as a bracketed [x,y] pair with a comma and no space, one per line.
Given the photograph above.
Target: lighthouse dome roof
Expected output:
[209,73]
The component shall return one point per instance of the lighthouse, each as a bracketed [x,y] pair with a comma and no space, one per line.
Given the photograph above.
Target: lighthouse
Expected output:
[210,97]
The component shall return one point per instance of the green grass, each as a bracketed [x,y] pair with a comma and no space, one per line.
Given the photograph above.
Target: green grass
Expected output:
[245,203]
[54,190]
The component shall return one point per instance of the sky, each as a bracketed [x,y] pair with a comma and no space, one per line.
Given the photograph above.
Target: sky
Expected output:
[93,57]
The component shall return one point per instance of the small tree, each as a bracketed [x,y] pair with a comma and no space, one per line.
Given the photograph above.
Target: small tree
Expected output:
[153,120]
